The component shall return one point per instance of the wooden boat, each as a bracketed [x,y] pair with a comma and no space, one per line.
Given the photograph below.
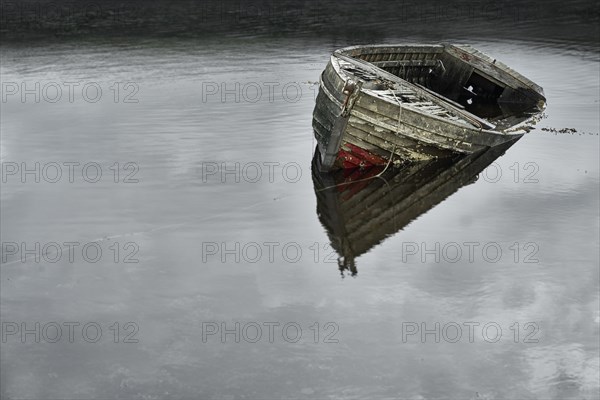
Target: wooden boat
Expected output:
[360,208]
[417,102]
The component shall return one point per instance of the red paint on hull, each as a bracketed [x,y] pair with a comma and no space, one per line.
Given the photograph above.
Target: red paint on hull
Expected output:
[351,156]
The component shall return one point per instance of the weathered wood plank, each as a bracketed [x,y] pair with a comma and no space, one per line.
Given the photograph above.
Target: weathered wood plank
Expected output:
[416,126]
[403,147]
[429,124]
[398,49]
[405,64]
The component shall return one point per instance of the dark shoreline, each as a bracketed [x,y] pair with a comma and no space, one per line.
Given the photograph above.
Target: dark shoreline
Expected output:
[30,21]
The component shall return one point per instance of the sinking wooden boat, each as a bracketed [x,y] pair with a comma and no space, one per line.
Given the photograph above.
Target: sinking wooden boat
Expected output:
[360,208]
[418,102]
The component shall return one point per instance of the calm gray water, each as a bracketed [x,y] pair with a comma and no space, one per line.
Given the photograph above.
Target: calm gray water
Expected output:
[170,277]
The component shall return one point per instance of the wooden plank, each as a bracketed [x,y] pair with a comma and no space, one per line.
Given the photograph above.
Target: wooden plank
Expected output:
[394,49]
[427,124]
[422,128]
[349,138]
[405,64]
[402,147]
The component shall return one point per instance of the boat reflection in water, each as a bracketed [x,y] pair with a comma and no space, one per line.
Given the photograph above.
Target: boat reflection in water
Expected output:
[361,208]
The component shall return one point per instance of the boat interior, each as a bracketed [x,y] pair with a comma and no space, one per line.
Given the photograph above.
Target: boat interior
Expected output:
[460,75]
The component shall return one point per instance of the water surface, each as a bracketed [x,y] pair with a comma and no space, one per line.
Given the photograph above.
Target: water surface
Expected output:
[546,197]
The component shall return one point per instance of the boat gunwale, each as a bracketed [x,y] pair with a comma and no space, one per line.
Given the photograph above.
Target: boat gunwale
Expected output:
[511,131]
[440,46]
[467,48]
